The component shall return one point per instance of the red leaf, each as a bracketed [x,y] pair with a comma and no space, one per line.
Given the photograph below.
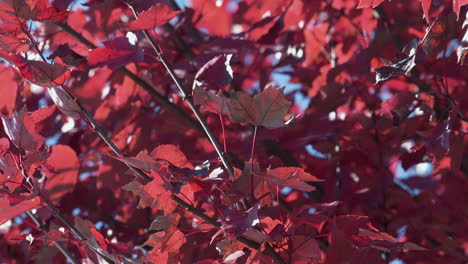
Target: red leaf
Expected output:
[21,131]
[169,238]
[65,102]
[171,154]
[12,176]
[457,5]
[142,161]
[369,3]
[115,53]
[216,73]
[62,172]
[413,157]
[426,5]
[52,14]
[156,16]
[4,146]
[37,72]
[266,109]
[306,250]
[291,177]
[214,103]
[7,212]
[53,236]
[398,106]
[156,194]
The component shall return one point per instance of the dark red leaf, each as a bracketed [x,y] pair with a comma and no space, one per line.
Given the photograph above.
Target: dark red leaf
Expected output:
[267,109]
[115,53]
[214,103]
[291,177]
[216,73]
[21,131]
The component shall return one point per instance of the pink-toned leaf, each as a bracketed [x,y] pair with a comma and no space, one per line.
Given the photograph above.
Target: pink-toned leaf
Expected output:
[4,146]
[156,16]
[64,101]
[21,131]
[369,3]
[171,154]
[7,212]
[156,194]
[62,172]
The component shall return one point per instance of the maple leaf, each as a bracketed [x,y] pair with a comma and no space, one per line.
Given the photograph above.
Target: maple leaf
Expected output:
[11,177]
[168,238]
[426,6]
[53,236]
[172,154]
[65,102]
[62,172]
[369,3]
[115,53]
[156,194]
[4,146]
[457,5]
[291,177]
[154,17]
[216,73]
[267,108]
[214,103]
[21,131]
[400,67]
[305,249]
[7,212]
[384,241]
[142,161]
[37,72]
[398,106]
[93,237]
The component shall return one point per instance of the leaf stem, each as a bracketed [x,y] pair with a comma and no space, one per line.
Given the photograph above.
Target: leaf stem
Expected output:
[252,152]
[221,120]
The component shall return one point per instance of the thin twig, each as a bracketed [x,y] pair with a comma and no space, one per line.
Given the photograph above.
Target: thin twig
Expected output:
[57,244]
[188,98]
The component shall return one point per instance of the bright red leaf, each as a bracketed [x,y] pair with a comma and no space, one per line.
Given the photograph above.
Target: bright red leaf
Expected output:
[154,17]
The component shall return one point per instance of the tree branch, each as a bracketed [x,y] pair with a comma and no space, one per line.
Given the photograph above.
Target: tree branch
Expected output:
[57,244]
[268,249]
[188,98]
[162,100]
